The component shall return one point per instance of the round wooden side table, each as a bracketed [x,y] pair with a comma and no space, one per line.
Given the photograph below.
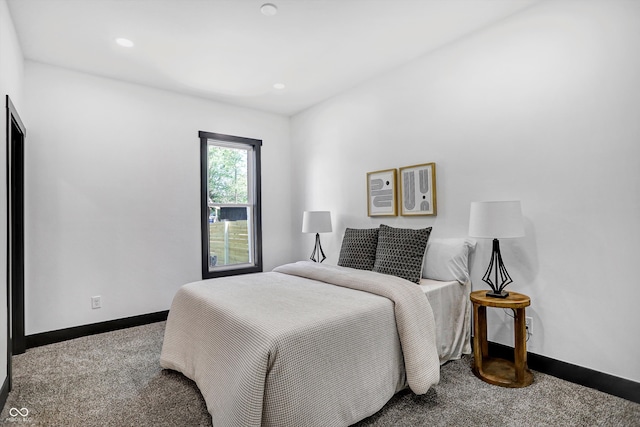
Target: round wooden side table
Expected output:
[494,370]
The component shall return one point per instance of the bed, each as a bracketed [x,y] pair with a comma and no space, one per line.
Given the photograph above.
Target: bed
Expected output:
[313,344]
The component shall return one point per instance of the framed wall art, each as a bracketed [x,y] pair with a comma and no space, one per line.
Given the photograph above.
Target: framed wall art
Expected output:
[381,193]
[418,190]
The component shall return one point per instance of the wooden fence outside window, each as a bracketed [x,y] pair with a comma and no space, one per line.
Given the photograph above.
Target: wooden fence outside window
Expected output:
[229,242]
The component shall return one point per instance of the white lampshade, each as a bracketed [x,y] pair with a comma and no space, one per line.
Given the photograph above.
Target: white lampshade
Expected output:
[316,222]
[496,220]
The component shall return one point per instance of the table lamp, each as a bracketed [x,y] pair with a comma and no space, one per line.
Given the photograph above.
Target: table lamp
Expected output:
[494,220]
[316,222]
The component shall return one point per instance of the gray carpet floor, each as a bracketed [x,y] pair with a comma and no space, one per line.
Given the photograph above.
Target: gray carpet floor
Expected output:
[115,379]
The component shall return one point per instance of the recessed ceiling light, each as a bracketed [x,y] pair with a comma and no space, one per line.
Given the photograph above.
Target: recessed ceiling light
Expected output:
[268,9]
[279,86]
[124,42]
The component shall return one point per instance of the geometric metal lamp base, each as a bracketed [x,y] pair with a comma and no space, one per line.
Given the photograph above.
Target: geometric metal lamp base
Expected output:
[496,267]
[317,251]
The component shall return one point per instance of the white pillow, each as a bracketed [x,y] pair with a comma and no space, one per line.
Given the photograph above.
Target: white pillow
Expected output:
[448,259]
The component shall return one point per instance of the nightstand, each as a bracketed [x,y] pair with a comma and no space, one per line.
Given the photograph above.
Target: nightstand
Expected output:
[494,370]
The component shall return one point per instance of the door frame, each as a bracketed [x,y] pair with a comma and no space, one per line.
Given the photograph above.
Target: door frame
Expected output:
[16,134]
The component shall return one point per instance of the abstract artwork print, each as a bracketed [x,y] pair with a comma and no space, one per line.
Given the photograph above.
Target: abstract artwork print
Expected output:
[381,193]
[418,190]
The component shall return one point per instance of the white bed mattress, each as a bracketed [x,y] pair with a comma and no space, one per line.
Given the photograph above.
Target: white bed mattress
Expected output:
[452,312]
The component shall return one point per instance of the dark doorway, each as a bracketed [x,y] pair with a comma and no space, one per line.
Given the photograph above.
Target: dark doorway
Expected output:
[15,232]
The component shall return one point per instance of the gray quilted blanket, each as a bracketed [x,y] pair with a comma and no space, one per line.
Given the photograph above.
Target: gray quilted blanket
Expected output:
[302,345]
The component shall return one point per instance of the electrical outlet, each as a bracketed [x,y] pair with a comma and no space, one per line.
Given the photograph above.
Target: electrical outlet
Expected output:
[528,322]
[95,302]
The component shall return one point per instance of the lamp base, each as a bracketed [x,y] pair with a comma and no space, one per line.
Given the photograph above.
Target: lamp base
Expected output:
[501,294]
[317,251]
[502,278]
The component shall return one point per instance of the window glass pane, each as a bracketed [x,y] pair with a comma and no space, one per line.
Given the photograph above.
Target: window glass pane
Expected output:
[227,177]
[229,236]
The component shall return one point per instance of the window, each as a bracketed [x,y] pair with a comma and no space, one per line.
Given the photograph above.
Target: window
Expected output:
[230,192]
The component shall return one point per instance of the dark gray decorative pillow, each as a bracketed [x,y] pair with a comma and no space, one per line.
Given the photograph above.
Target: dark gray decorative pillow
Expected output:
[359,248]
[401,252]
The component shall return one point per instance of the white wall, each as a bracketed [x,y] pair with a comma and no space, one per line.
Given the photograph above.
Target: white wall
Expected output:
[543,107]
[11,72]
[113,194]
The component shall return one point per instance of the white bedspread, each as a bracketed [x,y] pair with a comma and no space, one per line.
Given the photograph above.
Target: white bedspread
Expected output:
[278,349]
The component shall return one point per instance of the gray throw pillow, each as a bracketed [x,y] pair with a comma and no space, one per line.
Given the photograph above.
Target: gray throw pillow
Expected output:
[359,248]
[401,251]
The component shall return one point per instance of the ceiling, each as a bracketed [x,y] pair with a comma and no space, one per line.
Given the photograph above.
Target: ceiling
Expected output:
[227,50]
